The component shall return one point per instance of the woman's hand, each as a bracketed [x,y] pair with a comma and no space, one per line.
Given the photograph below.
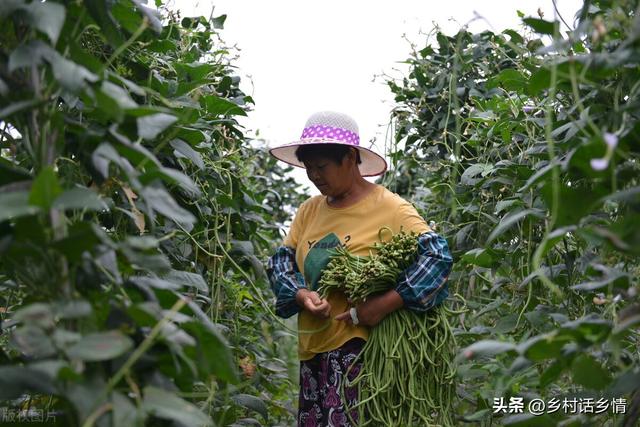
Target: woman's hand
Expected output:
[311,301]
[374,309]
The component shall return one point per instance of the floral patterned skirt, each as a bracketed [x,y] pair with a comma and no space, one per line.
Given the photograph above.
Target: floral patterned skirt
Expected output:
[321,402]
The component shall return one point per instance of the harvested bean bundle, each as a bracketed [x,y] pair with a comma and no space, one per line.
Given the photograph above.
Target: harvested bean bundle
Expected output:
[360,277]
[408,374]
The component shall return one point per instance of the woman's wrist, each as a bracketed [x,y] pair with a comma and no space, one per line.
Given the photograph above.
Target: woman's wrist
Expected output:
[390,301]
[300,295]
[376,308]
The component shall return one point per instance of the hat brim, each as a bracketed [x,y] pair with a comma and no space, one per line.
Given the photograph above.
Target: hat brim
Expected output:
[372,163]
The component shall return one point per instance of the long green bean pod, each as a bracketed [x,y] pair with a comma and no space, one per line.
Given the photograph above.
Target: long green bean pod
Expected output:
[408,377]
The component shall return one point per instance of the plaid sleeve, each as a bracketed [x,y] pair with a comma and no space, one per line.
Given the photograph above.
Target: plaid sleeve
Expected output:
[423,285]
[285,279]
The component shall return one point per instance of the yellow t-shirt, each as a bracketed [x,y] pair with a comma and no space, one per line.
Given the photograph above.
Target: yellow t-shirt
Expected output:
[317,228]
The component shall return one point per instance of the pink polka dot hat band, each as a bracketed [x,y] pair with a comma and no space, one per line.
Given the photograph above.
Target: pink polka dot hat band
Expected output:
[319,131]
[328,127]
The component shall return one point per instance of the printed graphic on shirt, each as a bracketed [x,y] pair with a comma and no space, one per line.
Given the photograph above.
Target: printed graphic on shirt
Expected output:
[318,258]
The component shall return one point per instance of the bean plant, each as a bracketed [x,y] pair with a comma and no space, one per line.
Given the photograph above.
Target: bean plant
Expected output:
[134,216]
[522,147]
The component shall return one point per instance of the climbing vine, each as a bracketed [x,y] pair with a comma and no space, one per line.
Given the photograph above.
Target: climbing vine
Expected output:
[522,147]
[133,217]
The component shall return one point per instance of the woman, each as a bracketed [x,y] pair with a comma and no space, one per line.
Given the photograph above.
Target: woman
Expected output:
[350,211]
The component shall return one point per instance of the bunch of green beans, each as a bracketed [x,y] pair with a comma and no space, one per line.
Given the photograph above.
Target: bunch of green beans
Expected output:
[408,373]
[360,277]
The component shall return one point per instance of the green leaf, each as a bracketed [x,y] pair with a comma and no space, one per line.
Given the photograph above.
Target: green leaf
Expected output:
[16,381]
[543,347]
[589,373]
[166,405]
[506,324]
[16,204]
[45,188]
[10,172]
[469,175]
[32,342]
[188,152]
[82,237]
[611,278]
[127,17]
[212,352]
[541,26]
[86,394]
[155,262]
[591,329]
[47,17]
[125,413]
[275,365]
[629,194]
[100,11]
[188,279]
[515,37]
[64,338]
[80,198]
[508,79]
[478,256]
[138,155]
[539,81]
[626,382]
[505,204]
[70,75]
[195,71]
[539,174]
[51,368]
[118,94]
[161,201]
[153,16]
[104,155]
[482,116]
[100,346]
[576,202]
[154,282]
[511,219]
[38,314]
[628,321]
[555,237]
[145,314]
[151,126]
[30,54]
[162,46]
[142,242]
[173,176]
[487,348]
[218,22]
[251,402]
[552,373]
[192,136]
[217,106]
[72,309]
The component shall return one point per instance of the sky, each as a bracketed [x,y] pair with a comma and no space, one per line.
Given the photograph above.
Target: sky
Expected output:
[296,57]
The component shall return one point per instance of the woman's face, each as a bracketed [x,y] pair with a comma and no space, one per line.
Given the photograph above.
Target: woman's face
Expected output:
[330,178]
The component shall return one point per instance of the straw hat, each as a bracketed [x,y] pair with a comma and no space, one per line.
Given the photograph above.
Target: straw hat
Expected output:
[329,127]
